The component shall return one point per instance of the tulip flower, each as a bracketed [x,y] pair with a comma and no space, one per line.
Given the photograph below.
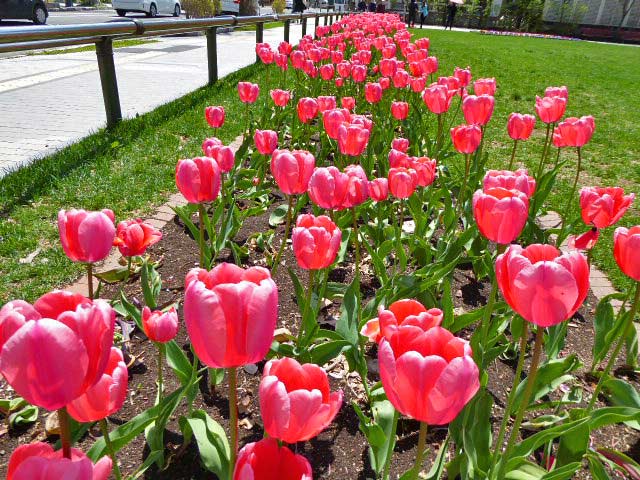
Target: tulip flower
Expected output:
[359,73]
[466,138]
[373,92]
[463,75]
[452,83]
[485,86]
[603,207]
[332,119]
[437,98]
[425,169]
[574,132]
[285,48]
[357,186]
[198,179]
[266,141]
[379,189]
[248,92]
[307,109]
[477,110]
[266,460]
[225,158]
[296,403]
[315,241]
[282,61]
[352,139]
[86,236]
[519,180]
[557,92]
[280,97]
[328,187]
[585,241]
[400,110]
[326,103]
[402,312]
[292,170]
[402,182]
[626,245]
[520,126]
[385,83]
[210,146]
[343,69]
[160,327]
[500,214]
[401,79]
[348,102]
[133,237]
[542,285]
[38,461]
[550,109]
[388,67]
[400,144]
[214,116]
[417,84]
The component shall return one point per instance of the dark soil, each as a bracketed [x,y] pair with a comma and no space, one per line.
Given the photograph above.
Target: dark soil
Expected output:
[340,451]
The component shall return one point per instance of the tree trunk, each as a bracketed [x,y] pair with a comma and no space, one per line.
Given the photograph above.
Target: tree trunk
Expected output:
[247,7]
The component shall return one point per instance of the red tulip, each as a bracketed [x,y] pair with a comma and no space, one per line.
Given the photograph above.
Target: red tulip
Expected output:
[160,327]
[266,141]
[264,52]
[326,103]
[225,157]
[379,189]
[575,132]
[133,237]
[388,67]
[107,396]
[327,71]
[402,182]
[56,302]
[389,51]
[485,86]
[463,75]
[357,186]
[401,313]
[452,83]
[339,82]
[520,126]
[38,461]
[332,119]
[198,179]
[282,61]
[518,180]
[210,146]
[585,241]
[352,139]
[540,284]
[427,375]
[385,83]
[307,109]
[418,84]
[328,187]
[425,170]
[86,236]
[437,98]
[348,102]
[285,48]
[296,403]
[373,92]
[51,362]
[230,314]
[214,116]
[280,97]
[429,65]
[557,92]
[603,207]
[478,110]
[466,138]
[550,109]
[401,144]
[362,121]
[398,159]
[337,56]
[344,69]
[359,73]
[248,92]
[626,244]
[315,241]
[266,460]
[500,214]
[298,59]
[292,170]
[399,110]
[401,79]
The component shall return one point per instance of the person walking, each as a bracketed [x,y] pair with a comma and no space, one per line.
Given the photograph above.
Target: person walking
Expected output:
[298,6]
[452,8]
[424,12]
[413,8]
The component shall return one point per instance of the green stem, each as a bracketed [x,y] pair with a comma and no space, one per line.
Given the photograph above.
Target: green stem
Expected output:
[233,418]
[516,380]
[557,158]
[399,235]
[65,431]
[486,318]
[544,153]
[422,440]
[90,279]
[467,166]
[201,214]
[392,444]
[616,351]
[276,260]
[128,273]
[439,136]
[356,246]
[307,306]
[160,363]
[513,154]
[568,208]
[533,370]
[112,453]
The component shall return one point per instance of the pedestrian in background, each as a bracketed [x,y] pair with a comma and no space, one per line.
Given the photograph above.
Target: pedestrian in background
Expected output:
[372,6]
[413,8]
[380,7]
[452,8]
[424,12]
[362,6]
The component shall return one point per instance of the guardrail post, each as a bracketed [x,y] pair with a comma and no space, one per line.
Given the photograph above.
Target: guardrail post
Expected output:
[108,80]
[304,26]
[315,32]
[330,19]
[259,36]
[326,18]
[287,24]
[212,54]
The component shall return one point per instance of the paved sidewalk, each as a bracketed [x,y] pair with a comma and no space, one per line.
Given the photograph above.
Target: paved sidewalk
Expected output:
[49,102]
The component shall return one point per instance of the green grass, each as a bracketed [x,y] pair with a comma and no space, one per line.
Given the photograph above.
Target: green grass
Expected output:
[91,48]
[252,28]
[602,81]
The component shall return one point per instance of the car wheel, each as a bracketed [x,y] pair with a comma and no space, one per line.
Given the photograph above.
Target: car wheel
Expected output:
[153,11]
[176,10]
[39,15]
[121,13]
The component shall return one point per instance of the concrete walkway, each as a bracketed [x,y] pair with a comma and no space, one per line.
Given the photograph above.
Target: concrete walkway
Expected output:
[47,102]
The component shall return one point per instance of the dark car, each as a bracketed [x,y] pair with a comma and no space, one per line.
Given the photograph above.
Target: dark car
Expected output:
[34,10]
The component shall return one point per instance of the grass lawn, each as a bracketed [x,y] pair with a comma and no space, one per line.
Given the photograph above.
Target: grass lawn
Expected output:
[131,168]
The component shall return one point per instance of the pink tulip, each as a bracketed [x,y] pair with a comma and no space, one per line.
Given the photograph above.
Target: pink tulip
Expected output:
[418,84]
[388,67]
[437,98]
[373,92]
[198,179]
[452,83]
[466,138]
[585,241]
[307,109]
[398,159]
[266,141]
[332,119]
[348,102]
[400,144]
[557,92]
[500,214]
[50,362]
[38,461]
[520,126]
[519,180]
[248,92]
[477,110]
[425,170]
[107,396]
[359,73]
[292,170]
[402,182]
[326,103]
[540,284]
[353,139]
[485,86]
[225,158]
[401,79]
[344,69]
[56,302]
[266,460]
[230,314]
[296,403]
[402,312]
[280,97]
[385,83]
[550,109]
[463,75]
[399,110]
[133,237]
[603,207]
[626,244]
[379,189]
[574,132]
[427,375]
[214,116]
[160,327]
[86,236]
[328,187]
[315,241]
[210,146]
[357,186]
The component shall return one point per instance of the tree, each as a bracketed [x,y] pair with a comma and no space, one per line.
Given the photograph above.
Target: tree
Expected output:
[626,5]
[248,7]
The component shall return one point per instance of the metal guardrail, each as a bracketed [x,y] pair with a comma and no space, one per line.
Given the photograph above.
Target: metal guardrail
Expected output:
[14,39]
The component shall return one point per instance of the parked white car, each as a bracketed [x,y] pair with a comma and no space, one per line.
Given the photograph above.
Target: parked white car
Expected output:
[233,6]
[151,7]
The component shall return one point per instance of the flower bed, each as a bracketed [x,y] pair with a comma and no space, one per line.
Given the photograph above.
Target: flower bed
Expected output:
[527,34]
[403,248]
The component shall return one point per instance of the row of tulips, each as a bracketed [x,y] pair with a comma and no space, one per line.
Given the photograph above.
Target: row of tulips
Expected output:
[346,173]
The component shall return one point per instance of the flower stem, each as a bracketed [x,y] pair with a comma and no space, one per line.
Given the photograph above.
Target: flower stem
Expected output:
[533,370]
[486,318]
[112,453]
[233,418]
[516,380]
[307,306]
[544,153]
[568,208]
[356,246]
[439,136]
[90,279]
[287,228]
[616,351]
[201,214]
[65,431]
[160,363]
[128,273]
[422,440]
[513,154]
[467,166]
[392,443]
